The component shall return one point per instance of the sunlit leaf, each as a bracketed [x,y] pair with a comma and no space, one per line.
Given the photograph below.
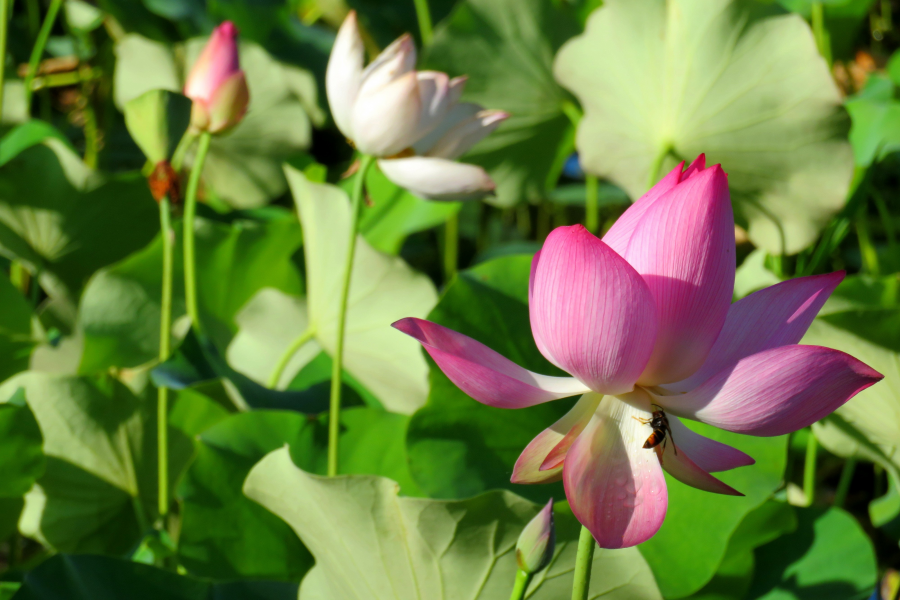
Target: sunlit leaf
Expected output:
[368,542]
[225,535]
[382,289]
[665,81]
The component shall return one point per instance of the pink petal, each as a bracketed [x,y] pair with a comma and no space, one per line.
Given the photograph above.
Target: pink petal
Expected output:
[707,454]
[616,488]
[591,313]
[775,316]
[484,374]
[698,166]
[553,443]
[684,249]
[217,62]
[620,233]
[775,391]
[679,465]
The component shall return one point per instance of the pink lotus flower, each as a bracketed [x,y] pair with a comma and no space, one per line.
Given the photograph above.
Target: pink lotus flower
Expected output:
[412,120]
[642,318]
[217,84]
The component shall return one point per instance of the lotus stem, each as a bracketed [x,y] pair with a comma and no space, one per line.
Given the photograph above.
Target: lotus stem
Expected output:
[809,468]
[184,144]
[190,211]
[840,495]
[591,203]
[424,15]
[583,561]
[656,165]
[165,347]
[337,364]
[5,6]
[521,585]
[39,45]
[820,31]
[282,364]
[451,247]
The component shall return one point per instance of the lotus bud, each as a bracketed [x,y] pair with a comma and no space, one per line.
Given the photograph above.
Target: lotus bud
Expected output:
[217,84]
[537,541]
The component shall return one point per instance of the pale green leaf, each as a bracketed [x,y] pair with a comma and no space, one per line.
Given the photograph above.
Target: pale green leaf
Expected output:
[370,543]
[662,81]
[99,487]
[383,289]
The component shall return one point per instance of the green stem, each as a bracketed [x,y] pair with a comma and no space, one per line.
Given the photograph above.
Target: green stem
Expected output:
[5,8]
[820,31]
[425,28]
[165,347]
[35,288]
[583,561]
[887,220]
[656,165]
[521,585]
[187,140]
[91,133]
[337,363]
[866,248]
[18,276]
[282,364]
[38,51]
[190,211]
[809,468]
[591,203]
[840,495]
[451,247]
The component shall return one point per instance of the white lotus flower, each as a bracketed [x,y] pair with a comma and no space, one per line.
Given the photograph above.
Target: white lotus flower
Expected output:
[411,120]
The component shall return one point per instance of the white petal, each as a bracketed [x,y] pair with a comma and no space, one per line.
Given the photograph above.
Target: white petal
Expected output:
[439,94]
[385,121]
[457,114]
[438,178]
[466,134]
[395,61]
[344,73]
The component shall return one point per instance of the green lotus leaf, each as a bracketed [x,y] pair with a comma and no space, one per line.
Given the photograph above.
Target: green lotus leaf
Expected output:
[370,543]
[665,81]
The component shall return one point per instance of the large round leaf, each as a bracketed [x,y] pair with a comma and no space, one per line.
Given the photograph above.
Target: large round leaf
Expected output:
[828,557]
[65,222]
[506,47]
[64,577]
[21,452]
[234,261]
[665,81]
[370,543]
[99,489]
[224,535]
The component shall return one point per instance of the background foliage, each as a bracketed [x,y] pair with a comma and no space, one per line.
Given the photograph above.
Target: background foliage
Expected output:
[797,99]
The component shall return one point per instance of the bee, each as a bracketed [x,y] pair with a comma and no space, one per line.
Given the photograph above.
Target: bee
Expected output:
[661,431]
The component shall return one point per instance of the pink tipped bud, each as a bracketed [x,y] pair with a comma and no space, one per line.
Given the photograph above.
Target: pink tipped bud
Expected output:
[216,83]
[537,542]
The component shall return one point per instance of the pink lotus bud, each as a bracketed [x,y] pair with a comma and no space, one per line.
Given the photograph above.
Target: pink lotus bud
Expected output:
[534,548]
[217,84]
